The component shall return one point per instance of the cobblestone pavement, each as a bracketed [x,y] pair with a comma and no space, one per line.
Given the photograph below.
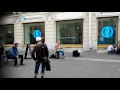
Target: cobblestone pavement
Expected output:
[70,67]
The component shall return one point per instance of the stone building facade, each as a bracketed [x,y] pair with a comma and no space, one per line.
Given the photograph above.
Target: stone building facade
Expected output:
[74,30]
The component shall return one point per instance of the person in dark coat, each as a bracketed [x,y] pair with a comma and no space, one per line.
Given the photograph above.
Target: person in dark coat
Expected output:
[41,51]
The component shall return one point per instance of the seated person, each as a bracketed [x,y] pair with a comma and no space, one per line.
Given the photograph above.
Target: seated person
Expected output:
[110,49]
[115,48]
[59,49]
[13,54]
[62,50]
[118,49]
[57,46]
[1,50]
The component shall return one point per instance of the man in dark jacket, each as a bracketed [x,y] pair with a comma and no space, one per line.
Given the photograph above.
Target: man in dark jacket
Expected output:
[13,54]
[41,51]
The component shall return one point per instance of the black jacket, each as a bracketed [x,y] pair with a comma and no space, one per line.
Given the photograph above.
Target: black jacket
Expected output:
[41,51]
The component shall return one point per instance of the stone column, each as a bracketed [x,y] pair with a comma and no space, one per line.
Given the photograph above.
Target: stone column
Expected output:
[18,31]
[119,28]
[94,31]
[86,32]
[50,33]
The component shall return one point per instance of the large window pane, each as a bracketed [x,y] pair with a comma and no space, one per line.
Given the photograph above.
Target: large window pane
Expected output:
[7,34]
[70,32]
[29,30]
[111,22]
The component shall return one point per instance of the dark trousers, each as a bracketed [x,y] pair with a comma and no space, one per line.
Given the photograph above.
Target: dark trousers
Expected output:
[21,59]
[37,65]
[111,52]
[57,54]
[0,59]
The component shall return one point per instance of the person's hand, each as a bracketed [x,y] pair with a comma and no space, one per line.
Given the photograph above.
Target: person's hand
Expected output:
[17,56]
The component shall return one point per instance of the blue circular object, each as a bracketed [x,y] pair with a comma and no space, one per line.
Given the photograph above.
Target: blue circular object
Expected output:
[107,32]
[101,12]
[37,33]
[24,18]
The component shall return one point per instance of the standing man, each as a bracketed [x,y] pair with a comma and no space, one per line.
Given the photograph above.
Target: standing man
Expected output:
[14,54]
[41,51]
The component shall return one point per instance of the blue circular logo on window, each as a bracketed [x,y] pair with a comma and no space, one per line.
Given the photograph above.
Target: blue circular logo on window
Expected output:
[107,32]
[24,18]
[37,33]
[101,12]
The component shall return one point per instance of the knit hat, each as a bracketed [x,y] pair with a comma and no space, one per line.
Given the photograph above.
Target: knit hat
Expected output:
[38,38]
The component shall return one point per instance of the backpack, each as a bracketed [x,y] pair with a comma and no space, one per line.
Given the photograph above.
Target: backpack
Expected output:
[76,53]
[52,56]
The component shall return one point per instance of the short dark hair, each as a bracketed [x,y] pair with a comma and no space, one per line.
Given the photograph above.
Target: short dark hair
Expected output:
[43,40]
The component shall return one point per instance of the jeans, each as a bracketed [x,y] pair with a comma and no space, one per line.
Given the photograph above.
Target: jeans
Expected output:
[110,52]
[37,65]
[62,53]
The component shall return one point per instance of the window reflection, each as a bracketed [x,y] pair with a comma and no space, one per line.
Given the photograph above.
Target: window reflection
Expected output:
[7,34]
[29,30]
[103,22]
[70,32]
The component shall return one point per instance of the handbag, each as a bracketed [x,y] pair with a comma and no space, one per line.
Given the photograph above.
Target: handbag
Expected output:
[48,66]
[46,60]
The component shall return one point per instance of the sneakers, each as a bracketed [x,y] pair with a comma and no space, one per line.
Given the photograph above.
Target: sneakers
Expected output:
[15,65]
[36,77]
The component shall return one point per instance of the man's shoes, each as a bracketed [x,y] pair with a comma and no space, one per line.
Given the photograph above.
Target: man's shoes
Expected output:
[15,65]
[22,64]
[35,77]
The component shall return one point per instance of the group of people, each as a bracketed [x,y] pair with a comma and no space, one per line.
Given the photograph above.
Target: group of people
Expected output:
[113,49]
[40,53]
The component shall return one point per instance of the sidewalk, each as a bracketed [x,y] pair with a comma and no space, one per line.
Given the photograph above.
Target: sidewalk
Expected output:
[86,66]
[92,55]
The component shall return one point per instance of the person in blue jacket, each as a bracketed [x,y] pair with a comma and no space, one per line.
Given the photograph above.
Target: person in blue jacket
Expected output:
[14,54]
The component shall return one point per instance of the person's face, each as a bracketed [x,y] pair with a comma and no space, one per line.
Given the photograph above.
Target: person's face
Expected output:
[16,45]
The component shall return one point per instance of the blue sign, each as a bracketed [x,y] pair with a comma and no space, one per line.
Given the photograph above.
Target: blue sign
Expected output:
[24,18]
[101,12]
[37,33]
[107,32]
